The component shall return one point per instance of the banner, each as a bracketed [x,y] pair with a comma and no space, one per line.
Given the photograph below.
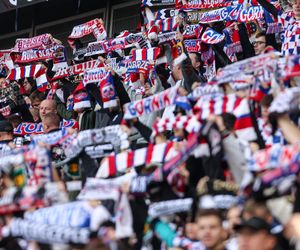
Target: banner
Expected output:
[150,104]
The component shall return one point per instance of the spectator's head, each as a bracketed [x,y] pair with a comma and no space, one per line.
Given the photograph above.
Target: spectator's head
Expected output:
[260,43]
[50,122]
[255,233]
[210,229]
[26,86]
[233,217]
[296,9]
[177,72]
[265,104]
[196,60]
[47,106]
[6,131]
[253,208]
[3,82]
[36,98]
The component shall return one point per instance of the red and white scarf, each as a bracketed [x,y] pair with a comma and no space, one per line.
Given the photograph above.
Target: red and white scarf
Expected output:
[153,154]
[33,55]
[150,104]
[220,104]
[145,54]
[36,71]
[94,27]
[37,42]
[189,123]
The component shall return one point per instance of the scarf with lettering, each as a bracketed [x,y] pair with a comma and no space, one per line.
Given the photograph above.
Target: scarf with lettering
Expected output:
[150,104]
[151,3]
[95,75]
[95,27]
[27,128]
[120,163]
[38,42]
[201,4]
[49,234]
[37,55]
[221,194]
[113,135]
[170,207]
[104,189]
[38,72]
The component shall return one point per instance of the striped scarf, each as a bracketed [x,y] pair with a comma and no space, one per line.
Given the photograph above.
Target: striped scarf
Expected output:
[145,54]
[221,104]
[120,163]
[188,123]
[36,71]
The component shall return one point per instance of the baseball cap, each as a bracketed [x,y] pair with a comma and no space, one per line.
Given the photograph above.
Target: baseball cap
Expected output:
[255,224]
[6,126]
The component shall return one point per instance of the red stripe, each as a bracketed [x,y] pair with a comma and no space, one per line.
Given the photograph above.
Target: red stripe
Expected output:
[211,106]
[129,159]
[225,101]
[112,169]
[149,153]
[167,149]
[237,103]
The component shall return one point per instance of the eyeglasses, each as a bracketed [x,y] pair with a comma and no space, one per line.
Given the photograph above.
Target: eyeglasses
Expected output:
[258,43]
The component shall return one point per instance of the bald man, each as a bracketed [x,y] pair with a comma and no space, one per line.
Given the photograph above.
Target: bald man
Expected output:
[50,122]
[46,107]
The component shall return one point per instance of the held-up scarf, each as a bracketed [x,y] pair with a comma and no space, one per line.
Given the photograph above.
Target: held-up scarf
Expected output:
[150,104]
[202,4]
[5,59]
[73,214]
[120,163]
[220,104]
[157,2]
[145,54]
[164,208]
[95,75]
[232,13]
[44,233]
[94,27]
[36,71]
[165,25]
[189,123]
[38,55]
[210,36]
[27,128]
[208,89]
[37,42]
[165,13]
[273,157]
[110,134]
[104,189]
